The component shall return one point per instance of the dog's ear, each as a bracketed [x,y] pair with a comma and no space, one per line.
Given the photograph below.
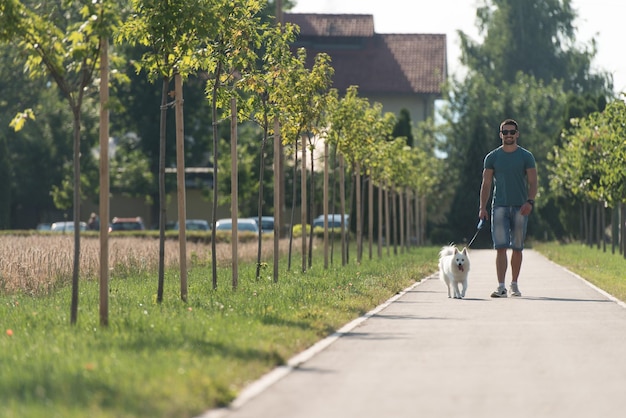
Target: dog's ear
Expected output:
[465,250]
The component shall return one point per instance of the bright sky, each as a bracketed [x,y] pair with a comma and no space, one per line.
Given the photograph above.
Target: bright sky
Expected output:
[599,19]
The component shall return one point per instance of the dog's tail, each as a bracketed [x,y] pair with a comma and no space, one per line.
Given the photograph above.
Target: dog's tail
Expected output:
[447,250]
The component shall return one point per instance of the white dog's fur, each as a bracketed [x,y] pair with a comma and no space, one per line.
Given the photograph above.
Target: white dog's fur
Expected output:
[454,266]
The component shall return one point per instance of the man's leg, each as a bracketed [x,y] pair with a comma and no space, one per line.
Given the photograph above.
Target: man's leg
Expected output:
[501,265]
[516,264]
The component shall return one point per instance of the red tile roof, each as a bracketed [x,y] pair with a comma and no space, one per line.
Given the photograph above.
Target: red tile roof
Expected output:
[377,63]
[332,25]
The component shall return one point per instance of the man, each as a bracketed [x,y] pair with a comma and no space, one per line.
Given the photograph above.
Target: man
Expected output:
[511,170]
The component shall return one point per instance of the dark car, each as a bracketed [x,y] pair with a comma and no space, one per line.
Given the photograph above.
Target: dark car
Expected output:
[195,225]
[334,221]
[127,224]
[267,224]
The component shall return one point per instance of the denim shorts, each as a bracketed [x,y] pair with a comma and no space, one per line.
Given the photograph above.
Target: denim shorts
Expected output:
[508,227]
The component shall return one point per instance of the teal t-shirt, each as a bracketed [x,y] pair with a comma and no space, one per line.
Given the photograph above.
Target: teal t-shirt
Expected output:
[509,175]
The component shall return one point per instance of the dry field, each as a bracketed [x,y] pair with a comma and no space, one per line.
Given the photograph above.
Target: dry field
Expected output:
[39,263]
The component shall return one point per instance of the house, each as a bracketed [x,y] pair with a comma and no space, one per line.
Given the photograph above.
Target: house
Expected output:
[397,70]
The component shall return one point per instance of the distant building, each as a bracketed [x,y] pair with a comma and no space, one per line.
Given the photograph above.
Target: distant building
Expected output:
[397,70]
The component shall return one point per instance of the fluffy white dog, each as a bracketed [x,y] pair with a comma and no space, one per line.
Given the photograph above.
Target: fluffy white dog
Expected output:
[454,266]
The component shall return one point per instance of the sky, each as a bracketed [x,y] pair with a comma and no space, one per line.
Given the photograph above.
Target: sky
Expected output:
[599,19]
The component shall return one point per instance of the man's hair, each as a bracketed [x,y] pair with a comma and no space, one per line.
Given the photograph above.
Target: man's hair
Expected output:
[509,122]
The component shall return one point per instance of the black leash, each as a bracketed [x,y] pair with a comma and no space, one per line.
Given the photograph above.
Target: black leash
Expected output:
[480,225]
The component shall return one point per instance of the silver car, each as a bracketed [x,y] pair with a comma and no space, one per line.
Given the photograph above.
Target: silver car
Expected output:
[67,226]
[243,225]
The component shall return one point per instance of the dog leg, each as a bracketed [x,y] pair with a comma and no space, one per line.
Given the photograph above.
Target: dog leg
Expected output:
[464,289]
[457,294]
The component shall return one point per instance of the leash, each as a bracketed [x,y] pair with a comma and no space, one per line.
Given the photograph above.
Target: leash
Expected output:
[480,225]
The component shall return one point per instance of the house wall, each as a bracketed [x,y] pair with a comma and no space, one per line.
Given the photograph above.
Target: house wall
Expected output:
[420,107]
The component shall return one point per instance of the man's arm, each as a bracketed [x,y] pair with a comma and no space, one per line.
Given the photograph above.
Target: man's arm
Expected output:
[531,177]
[485,190]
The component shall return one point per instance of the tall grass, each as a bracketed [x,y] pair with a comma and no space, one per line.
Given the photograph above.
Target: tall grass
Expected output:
[177,359]
[37,264]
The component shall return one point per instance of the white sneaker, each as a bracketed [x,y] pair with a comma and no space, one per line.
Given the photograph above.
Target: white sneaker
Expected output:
[500,292]
[515,290]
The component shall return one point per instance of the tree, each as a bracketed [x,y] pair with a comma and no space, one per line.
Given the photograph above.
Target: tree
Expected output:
[173,52]
[588,164]
[403,127]
[262,87]
[302,94]
[227,61]
[64,43]
[535,37]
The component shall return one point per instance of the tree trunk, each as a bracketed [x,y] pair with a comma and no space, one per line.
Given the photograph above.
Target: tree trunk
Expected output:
[370,215]
[218,73]
[380,220]
[76,265]
[303,203]
[180,174]
[234,193]
[277,212]
[359,231]
[387,220]
[260,200]
[104,182]
[162,194]
[325,196]
[342,204]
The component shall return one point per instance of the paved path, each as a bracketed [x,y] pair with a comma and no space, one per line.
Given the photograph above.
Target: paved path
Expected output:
[558,351]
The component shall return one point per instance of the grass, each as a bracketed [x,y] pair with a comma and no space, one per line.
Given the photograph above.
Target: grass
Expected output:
[603,269]
[178,359]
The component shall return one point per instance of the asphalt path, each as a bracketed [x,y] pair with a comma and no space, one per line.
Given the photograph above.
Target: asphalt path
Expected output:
[557,351]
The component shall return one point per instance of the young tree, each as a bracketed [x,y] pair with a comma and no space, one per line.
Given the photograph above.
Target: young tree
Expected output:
[302,96]
[262,88]
[173,31]
[227,59]
[62,41]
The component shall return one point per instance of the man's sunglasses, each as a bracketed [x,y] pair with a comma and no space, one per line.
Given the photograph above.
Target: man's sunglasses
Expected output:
[511,132]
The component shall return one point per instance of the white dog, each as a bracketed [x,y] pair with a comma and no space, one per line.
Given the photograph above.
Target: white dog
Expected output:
[454,266]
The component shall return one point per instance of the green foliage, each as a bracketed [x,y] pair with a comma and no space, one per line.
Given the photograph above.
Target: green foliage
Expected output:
[589,163]
[536,38]
[403,127]
[205,350]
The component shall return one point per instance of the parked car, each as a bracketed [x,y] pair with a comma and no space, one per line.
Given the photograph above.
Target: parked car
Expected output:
[67,226]
[243,225]
[127,224]
[195,225]
[267,224]
[44,226]
[334,221]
